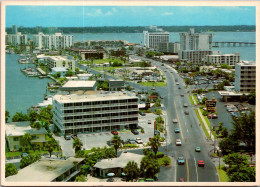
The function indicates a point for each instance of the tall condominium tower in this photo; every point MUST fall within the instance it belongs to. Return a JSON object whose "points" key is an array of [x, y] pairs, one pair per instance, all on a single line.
{"points": [[152, 40]]}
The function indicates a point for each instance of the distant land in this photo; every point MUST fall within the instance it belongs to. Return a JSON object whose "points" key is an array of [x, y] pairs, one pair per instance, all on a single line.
{"points": [[135, 29]]}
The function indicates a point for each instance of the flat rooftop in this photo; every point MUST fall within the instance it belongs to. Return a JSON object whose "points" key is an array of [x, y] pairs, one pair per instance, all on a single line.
{"points": [[119, 162], [58, 58], [93, 96], [246, 63], [79, 84], [59, 69], [44, 170], [20, 128]]}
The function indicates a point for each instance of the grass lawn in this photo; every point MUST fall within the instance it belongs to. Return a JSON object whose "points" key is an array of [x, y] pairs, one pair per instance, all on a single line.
{"points": [[195, 98], [45, 69], [208, 123], [191, 100], [106, 68], [223, 177], [201, 122], [153, 84], [102, 61], [30, 152]]}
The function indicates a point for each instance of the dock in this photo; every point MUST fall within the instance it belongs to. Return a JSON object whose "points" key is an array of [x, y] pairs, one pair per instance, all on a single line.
{"points": [[41, 71]]}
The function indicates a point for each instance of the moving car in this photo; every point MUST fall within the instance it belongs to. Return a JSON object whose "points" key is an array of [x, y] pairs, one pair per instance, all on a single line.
{"points": [[149, 121], [177, 130], [186, 112], [110, 180], [175, 120], [185, 105], [139, 140], [197, 149], [177, 83], [178, 142], [182, 95], [180, 160], [134, 131], [114, 132], [153, 89], [181, 179], [179, 88], [201, 163]]}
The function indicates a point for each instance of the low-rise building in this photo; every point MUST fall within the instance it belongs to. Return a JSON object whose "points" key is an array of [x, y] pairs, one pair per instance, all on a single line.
{"points": [[14, 132], [245, 76], [79, 85], [116, 165], [84, 76], [61, 70], [194, 56], [218, 59], [49, 170], [60, 61], [95, 112], [116, 85]]}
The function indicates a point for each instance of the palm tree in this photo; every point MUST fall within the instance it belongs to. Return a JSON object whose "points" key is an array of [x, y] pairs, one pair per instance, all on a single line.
{"points": [[77, 144], [132, 171], [116, 140], [155, 144]]}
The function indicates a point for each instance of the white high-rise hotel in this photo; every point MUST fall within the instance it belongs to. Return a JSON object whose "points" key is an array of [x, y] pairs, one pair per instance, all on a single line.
{"points": [[152, 40], [56, 41]]}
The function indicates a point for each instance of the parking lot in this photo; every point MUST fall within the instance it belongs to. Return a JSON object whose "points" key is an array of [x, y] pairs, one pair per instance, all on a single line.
{"points": [[100, 139]]}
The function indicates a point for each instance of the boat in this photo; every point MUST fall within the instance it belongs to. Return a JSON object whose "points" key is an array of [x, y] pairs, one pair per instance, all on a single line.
{"points": [[23, 61]]}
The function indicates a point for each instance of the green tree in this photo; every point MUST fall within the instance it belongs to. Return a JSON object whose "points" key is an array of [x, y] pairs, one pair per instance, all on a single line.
{"points": [[25, 161], [235, 159], [77, 144], [149, 167], [27, 139], [116, 140], [244, 128], [10, 169], [132, 171], [80, 178], [228, 145], [33, 116], [204, 100], [50, 146], [251, 98], [243, 174], [155, 144], [19, 116], [7, 116]]}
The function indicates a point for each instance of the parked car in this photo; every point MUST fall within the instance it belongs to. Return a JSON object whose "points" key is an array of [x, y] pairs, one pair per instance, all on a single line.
{"points": [[142, 114], [178, 142], [153, 88], [139, 141], [74, 136], [179, 88], [131, 141], [114, 132], [24, 155], [109, 143], [177, 130], [180, 161], [67, 137], [149, 121], [134, 131], [110, 180], [156, 132], [201, 163], [181, 179]]}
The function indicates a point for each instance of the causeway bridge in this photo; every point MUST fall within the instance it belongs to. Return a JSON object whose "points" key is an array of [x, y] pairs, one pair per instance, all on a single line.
{"points": [[232, 44]]}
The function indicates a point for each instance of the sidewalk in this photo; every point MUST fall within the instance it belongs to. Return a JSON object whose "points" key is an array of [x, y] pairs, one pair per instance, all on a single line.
{"points": [[205, 124]]}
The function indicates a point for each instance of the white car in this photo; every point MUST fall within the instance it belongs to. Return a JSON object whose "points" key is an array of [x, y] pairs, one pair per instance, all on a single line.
{"points": [[139, 141], [178, 142], [175, 121]]}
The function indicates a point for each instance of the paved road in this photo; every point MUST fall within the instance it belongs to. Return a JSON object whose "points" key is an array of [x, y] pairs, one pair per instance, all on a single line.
{"points": [[190, 136]]}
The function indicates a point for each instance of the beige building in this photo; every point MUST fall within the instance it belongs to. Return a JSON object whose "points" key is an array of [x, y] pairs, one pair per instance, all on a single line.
{"points": [[16, 39], [95, 112], [194, 56], [245, 76], [49, 170], [60, 61], [15, 130], [218, 59]]}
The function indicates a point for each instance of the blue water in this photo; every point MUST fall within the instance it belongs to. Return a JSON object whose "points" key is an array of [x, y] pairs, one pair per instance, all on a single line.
{"points": [[22, 92]]}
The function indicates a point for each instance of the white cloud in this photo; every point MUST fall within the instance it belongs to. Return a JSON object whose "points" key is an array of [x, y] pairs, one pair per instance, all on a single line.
{"points": [[99, 12], [167, 13]]}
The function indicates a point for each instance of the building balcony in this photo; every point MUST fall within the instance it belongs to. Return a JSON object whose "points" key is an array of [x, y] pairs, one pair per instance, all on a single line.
{"points": [[98, 106]]}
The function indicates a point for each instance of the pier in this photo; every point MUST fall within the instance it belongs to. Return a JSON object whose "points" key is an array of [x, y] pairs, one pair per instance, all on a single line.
{"points": [[232, 44]]}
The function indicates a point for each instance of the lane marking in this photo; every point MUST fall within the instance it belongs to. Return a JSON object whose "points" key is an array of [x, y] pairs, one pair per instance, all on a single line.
{"points": [[178, 120], [196, 170], [188, 174]]}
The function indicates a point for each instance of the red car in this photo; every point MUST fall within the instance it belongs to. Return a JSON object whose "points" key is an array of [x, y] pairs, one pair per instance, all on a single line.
{"points": [[201, 163], [182, 95], [114, 132], [181, 179]]}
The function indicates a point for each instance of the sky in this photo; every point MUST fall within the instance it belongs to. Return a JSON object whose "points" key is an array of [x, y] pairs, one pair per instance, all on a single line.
{"points": [[95, 16]]}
